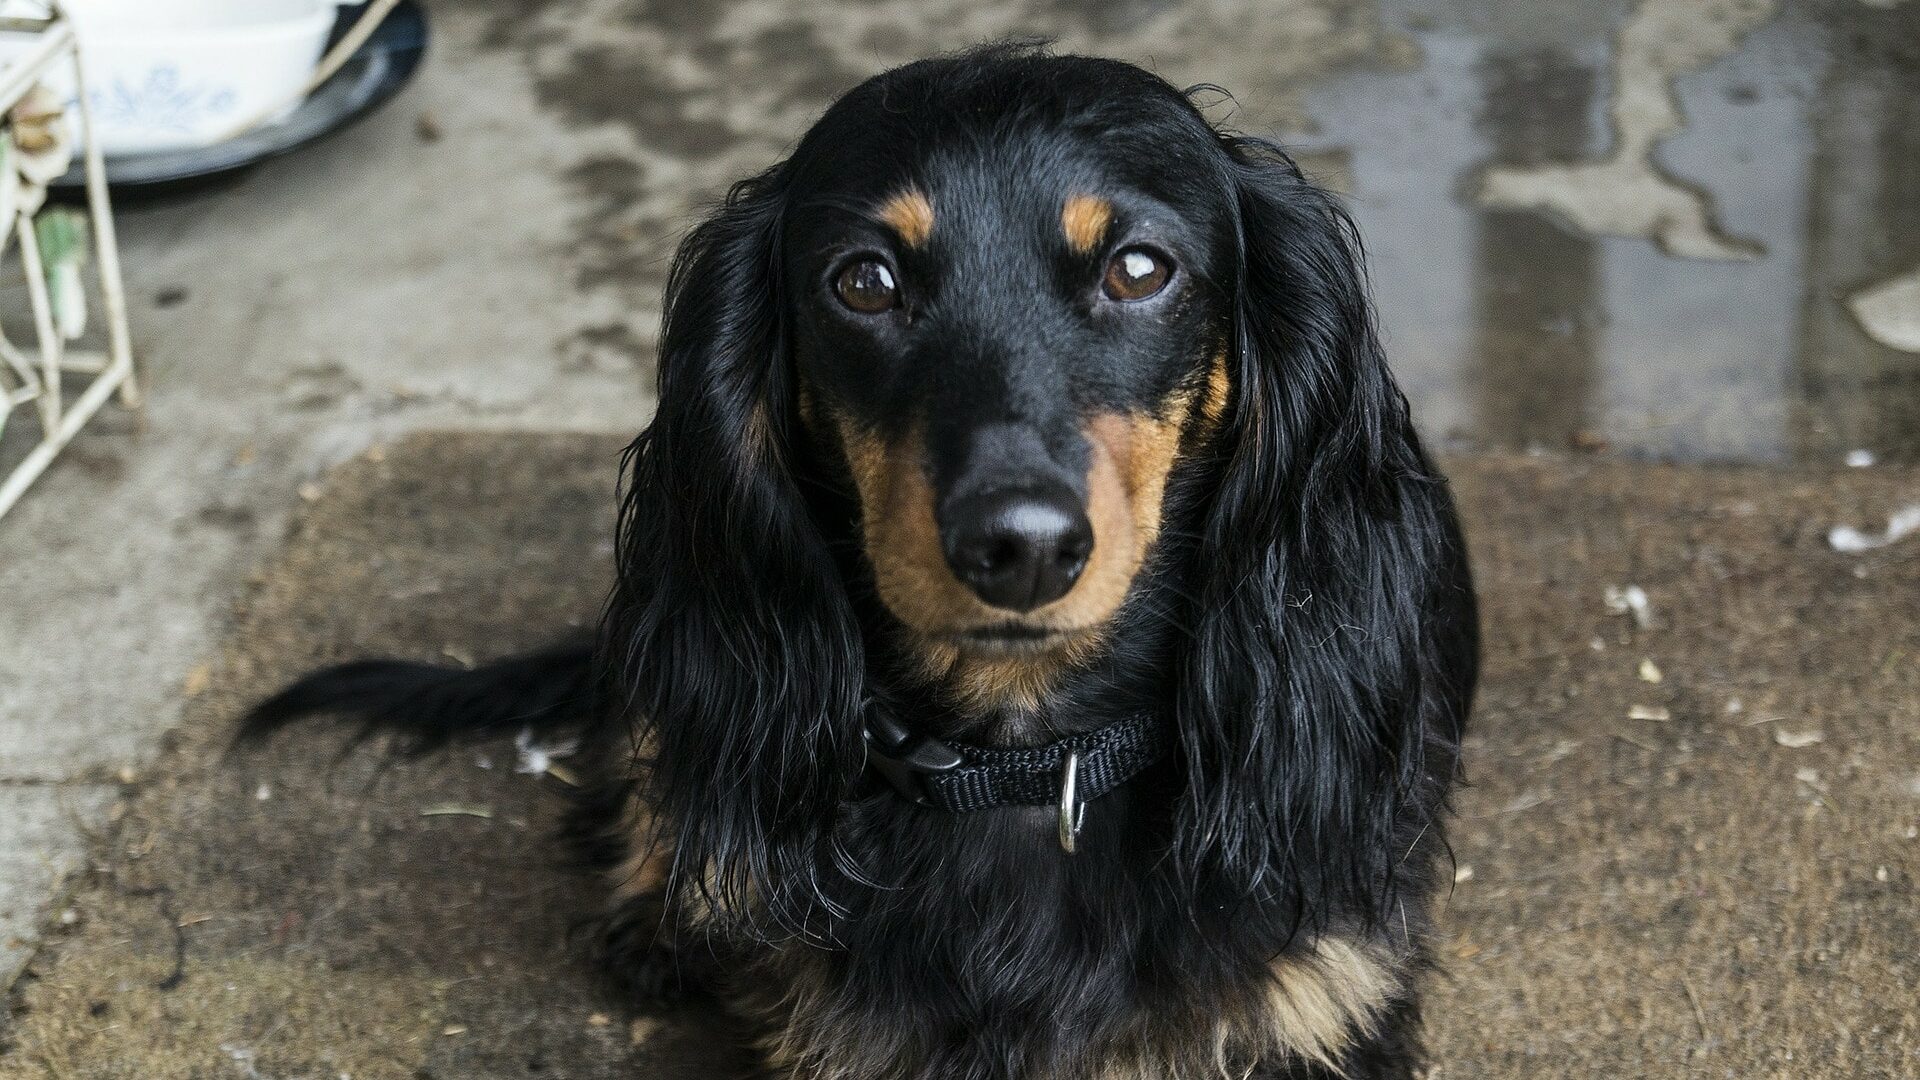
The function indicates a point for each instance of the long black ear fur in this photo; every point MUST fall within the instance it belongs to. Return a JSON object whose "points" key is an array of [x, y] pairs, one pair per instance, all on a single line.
{"points": [[729, 630], [1332, 654]]}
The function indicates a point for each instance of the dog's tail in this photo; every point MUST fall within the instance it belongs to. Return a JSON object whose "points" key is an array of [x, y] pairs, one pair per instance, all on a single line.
{"points": [[429, 705]]}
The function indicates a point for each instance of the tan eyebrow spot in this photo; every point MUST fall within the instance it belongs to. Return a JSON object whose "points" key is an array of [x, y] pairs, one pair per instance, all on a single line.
{"points": [[910, 214], [1084, 219]]}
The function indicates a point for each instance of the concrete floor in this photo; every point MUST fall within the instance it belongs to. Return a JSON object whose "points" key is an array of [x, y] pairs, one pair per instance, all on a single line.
{"points": [[321, 305], [506, 276]]}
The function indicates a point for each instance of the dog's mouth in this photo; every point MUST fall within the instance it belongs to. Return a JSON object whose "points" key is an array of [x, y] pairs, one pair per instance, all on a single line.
{"points": [[1016, 638]]}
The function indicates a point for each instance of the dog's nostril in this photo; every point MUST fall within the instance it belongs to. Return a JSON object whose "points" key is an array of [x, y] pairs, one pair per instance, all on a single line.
{"points": [[1075, 549], [1019, 549], [1001, 555]]}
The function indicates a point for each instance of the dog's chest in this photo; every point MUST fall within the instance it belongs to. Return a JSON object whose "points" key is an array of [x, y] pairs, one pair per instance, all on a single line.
{"points": [[1030, 967]]}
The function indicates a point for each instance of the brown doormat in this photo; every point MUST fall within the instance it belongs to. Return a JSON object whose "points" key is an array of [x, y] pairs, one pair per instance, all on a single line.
{"points": [[1689, 847]]}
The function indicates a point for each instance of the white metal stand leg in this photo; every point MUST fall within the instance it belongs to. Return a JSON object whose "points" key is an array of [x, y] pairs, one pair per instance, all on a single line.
{"points": [[107, 252], [41, 377]]}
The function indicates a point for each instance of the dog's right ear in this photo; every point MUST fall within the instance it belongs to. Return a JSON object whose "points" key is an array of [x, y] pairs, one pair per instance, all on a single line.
{"points": [[735, 654]]}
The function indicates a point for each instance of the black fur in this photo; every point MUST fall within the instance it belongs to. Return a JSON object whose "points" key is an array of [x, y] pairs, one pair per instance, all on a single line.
{"points": [[1306, 620], [430, 705]]}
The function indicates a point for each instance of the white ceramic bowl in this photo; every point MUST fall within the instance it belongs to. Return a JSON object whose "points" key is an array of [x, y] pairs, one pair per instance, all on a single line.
{"points": [[176, 74], [131, 15]]}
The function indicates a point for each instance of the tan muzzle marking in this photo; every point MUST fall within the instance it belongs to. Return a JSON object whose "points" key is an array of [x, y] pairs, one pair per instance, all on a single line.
{"points": [[1132, 455]]}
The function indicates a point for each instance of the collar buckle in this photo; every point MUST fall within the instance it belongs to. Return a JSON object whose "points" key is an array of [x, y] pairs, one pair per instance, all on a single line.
{"points": [[905, 758]]}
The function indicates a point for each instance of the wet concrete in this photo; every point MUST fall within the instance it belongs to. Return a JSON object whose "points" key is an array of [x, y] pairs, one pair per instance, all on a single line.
{"points": [[1657, 228], [1677, 229]]}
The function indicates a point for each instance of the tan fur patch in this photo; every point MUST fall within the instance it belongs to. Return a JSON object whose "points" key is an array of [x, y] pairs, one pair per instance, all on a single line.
{"points": [[1310, 1010], [1084, 220], [1318, 1000], [1219, 390], [1133, 458], [809, 411], [757, 442], [804, 1034], [909, 214], [648, 861]]}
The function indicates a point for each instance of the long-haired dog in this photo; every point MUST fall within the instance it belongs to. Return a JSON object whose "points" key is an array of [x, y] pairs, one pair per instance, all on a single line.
{"points": [[1041, 645]]}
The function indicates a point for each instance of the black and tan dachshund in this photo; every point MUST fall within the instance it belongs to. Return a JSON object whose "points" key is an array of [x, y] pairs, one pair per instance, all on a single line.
{"points": [[1041, 645]]}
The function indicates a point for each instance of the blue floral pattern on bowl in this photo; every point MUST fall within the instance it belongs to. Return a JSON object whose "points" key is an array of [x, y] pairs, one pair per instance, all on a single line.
{"points": [[162, 102]]}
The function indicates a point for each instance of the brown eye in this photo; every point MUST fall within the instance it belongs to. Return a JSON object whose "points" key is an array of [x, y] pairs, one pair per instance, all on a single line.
{"points": [[1135, 274], [867, 287]]}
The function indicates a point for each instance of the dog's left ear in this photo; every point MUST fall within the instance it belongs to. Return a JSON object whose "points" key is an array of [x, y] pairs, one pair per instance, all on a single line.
{"points": [[1317, 712], [729, 635]]}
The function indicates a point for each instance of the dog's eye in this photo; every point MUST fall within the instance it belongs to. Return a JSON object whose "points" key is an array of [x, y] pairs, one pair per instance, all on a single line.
{"points": [[867, 287], [1135, 273]]}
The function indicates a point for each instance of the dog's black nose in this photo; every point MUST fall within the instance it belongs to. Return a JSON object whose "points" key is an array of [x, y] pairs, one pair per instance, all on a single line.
{"points": [[1019, 549]]}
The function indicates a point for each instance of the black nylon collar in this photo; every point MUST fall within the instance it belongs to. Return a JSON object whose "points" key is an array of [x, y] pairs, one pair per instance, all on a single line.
{"points": [[965, 778]]}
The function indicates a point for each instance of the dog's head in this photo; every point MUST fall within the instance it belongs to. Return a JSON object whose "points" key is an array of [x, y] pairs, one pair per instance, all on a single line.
{"points": [[997, 306], [1008, 303]]}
